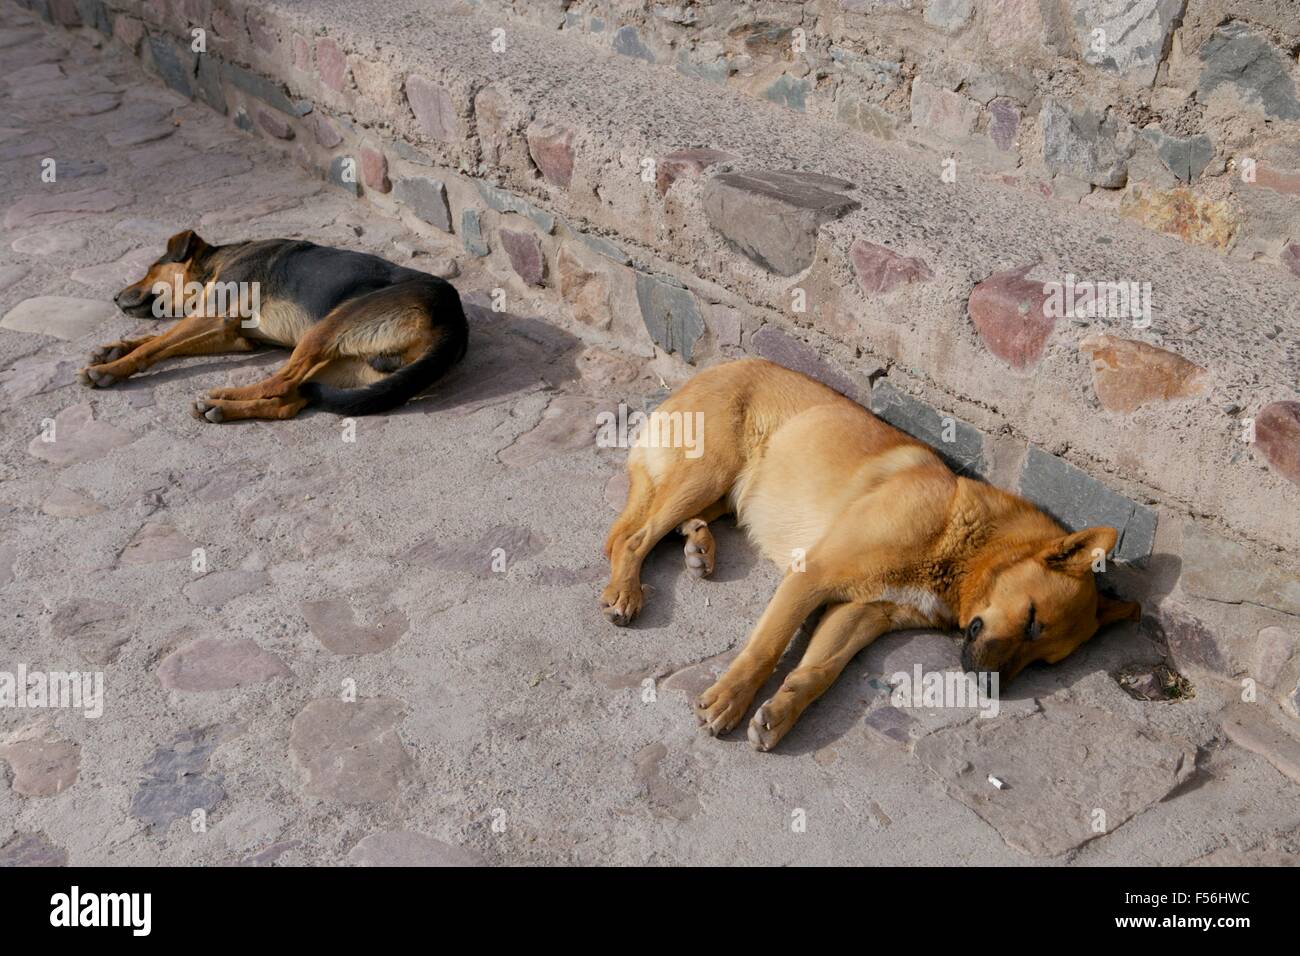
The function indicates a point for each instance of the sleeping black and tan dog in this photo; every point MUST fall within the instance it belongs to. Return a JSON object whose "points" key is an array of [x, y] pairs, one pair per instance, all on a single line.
{"points": [[366, 335]]}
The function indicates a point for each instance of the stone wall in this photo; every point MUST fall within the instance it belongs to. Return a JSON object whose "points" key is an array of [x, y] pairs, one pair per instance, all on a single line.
{"points": [[1180, 114], [689, 226]]}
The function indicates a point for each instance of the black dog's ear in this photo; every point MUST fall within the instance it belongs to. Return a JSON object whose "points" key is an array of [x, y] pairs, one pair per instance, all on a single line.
{"points": [[184, 246]]}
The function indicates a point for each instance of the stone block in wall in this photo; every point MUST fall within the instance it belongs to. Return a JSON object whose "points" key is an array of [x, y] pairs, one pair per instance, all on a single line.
{"points": [[774, 216], [551, 148], [1277, 436], [504, 201], [785, 350], [942, 112], [434, 109], [270, 92], [1184, 156], [524, 250], [1127, 38], [686, 164], [1246, 61], [585, 290], [670, 314], [1127, 373], [1183, 213], [1009, 312], [427, 198], [880, 270], [960, 444], [471, 234], [1078, 501], [1222, 570], [174, 64], [1085, 144], [94, 13]]}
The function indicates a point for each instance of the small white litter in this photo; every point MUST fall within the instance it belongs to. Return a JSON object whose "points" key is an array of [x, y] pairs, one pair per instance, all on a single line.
{"points": [[996, 782]]}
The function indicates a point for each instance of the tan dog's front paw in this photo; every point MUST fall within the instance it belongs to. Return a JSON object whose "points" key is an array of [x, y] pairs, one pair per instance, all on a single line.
{"points": [[720, 707], [700, 548], [621, 605], [772, 721], [95, 376]]}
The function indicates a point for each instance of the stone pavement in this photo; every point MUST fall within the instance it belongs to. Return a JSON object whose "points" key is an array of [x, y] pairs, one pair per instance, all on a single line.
{"points": [[322, 643]]}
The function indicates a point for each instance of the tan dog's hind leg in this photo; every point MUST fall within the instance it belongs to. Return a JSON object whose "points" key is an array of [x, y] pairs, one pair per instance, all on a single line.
{"points": [[700, 549], [844, 630], [653, 509], [194, 335], [721, 706]]}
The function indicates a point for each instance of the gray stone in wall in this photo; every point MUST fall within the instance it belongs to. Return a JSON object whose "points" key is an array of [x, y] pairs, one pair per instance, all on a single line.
{"points": [[1236, 56], [95, 14], [471, 234], [268, 91], [785, 350], [338, 167], [1078, 501], [960, 444], [503, 201], [773, 216], [1222, 570], [207, 83], [176, 67], [1184, 156], [1082, 144], [669, 313], [628, 42], [948, 15], [1133, 34], [605, 248], [712, 71], [789, 92], [425, 197], [409, 153]]}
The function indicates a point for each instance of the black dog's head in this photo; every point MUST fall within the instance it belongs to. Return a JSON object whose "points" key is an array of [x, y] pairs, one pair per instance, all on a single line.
{"points": [[172, 271]]}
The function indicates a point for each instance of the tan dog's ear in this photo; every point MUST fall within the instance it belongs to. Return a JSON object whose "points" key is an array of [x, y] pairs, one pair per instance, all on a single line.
{"points": [[1109, 610], [1075, 553], [184, 246]]}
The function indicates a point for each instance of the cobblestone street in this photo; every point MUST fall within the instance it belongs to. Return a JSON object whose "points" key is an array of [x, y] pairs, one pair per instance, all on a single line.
{"points": [[441, 564]]}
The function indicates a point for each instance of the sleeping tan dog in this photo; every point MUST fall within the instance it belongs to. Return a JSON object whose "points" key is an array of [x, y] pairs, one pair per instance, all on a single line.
{"points": [[869, 524]]}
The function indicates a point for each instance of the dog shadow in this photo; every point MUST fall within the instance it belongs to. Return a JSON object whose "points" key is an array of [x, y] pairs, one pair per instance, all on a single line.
{"points": [[508, 355]]}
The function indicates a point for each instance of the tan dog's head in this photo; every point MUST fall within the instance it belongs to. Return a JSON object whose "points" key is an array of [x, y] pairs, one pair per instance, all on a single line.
{"points": [[1038, 605], [173, 269]]}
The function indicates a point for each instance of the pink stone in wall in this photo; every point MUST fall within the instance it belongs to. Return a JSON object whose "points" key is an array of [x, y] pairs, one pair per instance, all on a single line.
{"points": [[332, 63], [1277, 436], [551, 148], [1008, 312], [374, 169], [526, 257], [1128, 374], [686, 164], [433, 108], [301, 53], [880, 270]]}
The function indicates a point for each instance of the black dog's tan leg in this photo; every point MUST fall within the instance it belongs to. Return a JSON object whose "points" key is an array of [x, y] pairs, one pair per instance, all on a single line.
{"points": [[115, 350], [222, 410], [700, 548], [653, 509], [721, 706], [194, 335], [843, 630]]}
